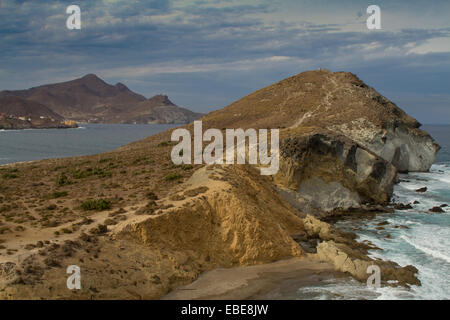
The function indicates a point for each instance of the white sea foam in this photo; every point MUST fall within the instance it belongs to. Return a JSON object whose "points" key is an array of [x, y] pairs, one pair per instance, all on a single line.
{"points": [[431, 252], [425, 244]]}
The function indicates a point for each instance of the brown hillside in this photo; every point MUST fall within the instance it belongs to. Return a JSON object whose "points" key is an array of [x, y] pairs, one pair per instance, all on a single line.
{"points": [[11, 105], [91, 99], [313, 98]]}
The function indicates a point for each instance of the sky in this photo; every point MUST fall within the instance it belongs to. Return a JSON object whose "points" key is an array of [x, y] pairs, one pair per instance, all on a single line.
{"points": [[206, 54]]}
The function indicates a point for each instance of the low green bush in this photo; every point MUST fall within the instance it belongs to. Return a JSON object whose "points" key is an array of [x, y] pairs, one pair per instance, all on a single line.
{"points": [[63, 180], [58, 194], [173, 176], [97, 204]]}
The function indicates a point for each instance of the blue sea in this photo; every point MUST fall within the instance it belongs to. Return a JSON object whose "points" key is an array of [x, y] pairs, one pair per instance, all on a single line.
{"points": [[28, 145], [425, 244]]}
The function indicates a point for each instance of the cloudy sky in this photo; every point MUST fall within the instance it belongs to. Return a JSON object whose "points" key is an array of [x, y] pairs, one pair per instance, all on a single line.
{"points": [[206, 54]]}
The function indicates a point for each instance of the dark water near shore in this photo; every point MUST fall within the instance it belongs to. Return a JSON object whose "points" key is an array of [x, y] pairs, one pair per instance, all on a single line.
{"points": [[28, 145]]}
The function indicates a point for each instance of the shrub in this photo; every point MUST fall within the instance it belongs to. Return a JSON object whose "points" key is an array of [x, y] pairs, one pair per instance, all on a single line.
{"points": [[51, 207], [100, 229], [104, 160], [173, 176], [65, 230], [164, 144], [58, 194], [10, 176], [152, 196], [98, 204], [63, 180], [92, 172]]}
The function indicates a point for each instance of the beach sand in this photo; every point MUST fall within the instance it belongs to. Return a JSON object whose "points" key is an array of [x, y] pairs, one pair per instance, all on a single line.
{"points": [[275, 280]]}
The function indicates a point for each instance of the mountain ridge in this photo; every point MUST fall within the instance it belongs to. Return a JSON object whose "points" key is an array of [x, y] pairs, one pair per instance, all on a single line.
{"points": [[91, 99]]}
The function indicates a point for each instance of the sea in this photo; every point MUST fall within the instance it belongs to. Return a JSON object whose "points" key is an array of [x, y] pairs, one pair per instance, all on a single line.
{"points": [[425, 243], [87, 139]]}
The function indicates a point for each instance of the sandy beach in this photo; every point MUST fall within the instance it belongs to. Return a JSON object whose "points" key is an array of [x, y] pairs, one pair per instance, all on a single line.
{"points": [[266, 281]]}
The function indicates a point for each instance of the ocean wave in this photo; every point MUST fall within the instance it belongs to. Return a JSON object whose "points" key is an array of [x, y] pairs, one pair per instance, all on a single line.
{"points": [[433, 253], [9, 130]]}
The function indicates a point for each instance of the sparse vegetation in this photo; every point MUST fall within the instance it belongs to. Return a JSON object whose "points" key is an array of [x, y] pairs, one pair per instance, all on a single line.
{"points": [[63, 180], [173, 176], [187, 167], [152, 196], [102, 173], [98, 205], [51, 207], [104, 160], [10, 174], [165, 144], [58, 194], [100, 229]]}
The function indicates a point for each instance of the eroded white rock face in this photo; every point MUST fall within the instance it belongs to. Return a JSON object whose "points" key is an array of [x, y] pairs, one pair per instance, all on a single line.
{"points": [[327, 196], [321, 173], [408, 149]]}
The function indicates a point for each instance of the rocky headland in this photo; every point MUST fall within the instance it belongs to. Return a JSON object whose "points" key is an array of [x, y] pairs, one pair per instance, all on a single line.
{"points": [[139, 226], [17, 113]]}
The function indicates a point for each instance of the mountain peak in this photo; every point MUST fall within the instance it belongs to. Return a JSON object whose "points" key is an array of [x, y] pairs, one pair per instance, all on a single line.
{"points": [[92, 79], [91, 76], [161, 99], [121, 87]]}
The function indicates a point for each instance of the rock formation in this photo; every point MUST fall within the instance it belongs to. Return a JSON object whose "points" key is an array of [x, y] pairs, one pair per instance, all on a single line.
{"points": [[342, 142]]}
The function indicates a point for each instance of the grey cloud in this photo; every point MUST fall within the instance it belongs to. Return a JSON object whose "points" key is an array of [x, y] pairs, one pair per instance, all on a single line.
{"points": [[209, 39]]}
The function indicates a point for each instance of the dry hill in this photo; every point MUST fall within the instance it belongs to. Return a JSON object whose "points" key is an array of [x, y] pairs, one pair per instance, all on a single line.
{"points": [[139, 226]]}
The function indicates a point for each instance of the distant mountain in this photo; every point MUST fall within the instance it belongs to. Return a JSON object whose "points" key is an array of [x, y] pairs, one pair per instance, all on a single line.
{"points": [[90, 99], [159, 109]]}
